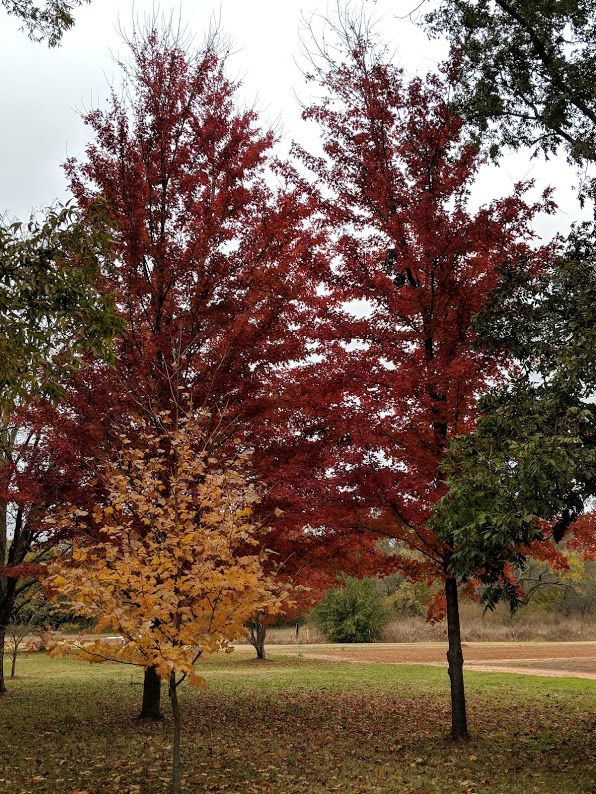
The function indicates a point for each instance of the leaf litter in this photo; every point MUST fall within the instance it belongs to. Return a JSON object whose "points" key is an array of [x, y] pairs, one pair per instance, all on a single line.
{"points": [[296, 730]]}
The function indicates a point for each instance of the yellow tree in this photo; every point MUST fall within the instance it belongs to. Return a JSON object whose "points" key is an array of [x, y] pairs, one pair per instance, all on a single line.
{"points": [[171, 561]]}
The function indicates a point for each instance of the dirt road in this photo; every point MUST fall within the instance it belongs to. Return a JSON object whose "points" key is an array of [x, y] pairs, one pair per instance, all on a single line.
{"points": [[576, 659]]}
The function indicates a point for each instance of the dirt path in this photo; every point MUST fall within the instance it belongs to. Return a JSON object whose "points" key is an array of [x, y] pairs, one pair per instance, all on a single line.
{"points": [[575, 659]]}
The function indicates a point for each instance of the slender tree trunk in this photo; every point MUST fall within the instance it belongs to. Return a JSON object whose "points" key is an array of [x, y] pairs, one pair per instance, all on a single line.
{"points": [[151, 708], [3, 589], [455, 658], [2, 641], [257, 631], [13, 666], [176, 766]]}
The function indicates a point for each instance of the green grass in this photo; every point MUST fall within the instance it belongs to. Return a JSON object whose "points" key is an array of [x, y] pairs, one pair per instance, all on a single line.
{"points": [[296, 726]]}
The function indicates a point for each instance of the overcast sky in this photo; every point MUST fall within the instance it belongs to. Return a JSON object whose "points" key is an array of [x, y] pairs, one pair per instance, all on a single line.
{"points": [[44, 91]]}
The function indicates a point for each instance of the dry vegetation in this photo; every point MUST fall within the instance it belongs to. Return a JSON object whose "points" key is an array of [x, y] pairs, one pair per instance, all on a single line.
{"points": [[500, 626], [477, 626]]}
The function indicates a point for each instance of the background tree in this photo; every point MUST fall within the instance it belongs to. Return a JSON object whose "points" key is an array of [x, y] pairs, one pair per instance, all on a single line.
{"points": [[32, 614], [173, 569], [308, 581], [309, 557], [17, 633], [568, 591], [404, 373]]}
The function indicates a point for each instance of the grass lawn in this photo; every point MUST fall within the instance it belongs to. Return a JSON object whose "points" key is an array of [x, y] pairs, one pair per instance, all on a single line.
{"points": [[296, 726]]}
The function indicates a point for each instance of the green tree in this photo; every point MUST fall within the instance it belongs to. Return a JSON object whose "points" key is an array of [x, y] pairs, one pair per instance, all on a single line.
{"points": [[354, 613], [524, 75], [53, 317], [526, 472], [51, 312], [47, 22], [525, 70]]}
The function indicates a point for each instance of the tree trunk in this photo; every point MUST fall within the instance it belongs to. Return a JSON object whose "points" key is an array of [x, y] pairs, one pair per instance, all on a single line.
{"points": [[257, 631], [176, 767], [3, 589], [151, 709], [455, 658], [2, 638], [13, 666]]}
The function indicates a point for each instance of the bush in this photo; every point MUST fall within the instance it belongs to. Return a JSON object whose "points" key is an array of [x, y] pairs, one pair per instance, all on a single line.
{"points": [[354, 613]]}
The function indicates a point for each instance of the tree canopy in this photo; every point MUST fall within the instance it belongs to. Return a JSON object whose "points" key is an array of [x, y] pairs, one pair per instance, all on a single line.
{"points": [[522, 73], [175, 570], [52, 311], [216, 268], [524, 70], [46, 22], [527, 471], [403, 374]]}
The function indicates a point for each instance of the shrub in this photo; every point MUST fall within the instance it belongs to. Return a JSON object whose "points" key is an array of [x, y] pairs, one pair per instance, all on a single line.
{"points": [[354, 613]]}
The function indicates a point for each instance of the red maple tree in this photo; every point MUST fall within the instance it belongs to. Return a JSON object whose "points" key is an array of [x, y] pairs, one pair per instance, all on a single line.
{"points": [[216, 274], [413, 265]]}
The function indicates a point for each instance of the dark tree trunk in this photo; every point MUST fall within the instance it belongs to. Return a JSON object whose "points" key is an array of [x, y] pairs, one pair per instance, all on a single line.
{"points": [[455, 658], [176, 766], [4, 595], [12, 553], [151, 709], [13, 667], [257, 631], [2, 639]]}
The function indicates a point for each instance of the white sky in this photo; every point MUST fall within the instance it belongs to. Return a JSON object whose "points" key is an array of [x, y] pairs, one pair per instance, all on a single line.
{"points": [[43, 91]]}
